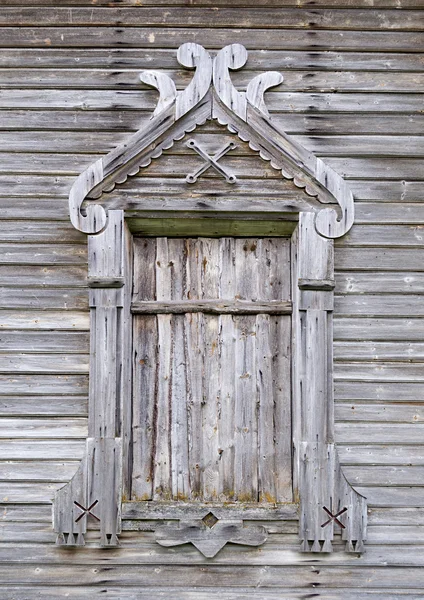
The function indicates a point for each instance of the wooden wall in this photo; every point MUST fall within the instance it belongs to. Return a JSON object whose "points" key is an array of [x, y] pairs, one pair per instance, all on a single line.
{"points": [[69, 91]]}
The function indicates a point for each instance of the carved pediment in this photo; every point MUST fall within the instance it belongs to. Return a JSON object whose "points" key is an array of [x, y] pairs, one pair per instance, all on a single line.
{"points": [[211, 95]]}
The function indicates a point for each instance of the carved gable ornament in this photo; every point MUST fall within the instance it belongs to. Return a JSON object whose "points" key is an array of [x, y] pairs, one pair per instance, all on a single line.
{"points": [[99, 496]]}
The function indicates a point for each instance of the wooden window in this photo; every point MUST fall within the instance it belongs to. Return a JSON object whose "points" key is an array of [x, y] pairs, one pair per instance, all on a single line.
{"points": [[212, 370]]}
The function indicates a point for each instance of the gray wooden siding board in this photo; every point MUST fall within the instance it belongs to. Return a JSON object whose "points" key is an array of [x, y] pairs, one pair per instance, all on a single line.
{"points": [[226, 17]]}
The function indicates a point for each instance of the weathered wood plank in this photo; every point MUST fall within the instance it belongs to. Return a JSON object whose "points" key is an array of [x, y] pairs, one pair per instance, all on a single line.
{"points": [[38, 406], [39, 298], [381, 454], [394, 329], [240, 3], [119, 122], [236, 307], [379, 306], [44, 363], [28, 493], [42, 449], [43, 341], [316, 41], [334, 577], [379, 433], [122, 63], [387, 476], [44, 254], [379, 351], [371, 371], [43, 427], [37, 471], [351, 19], [139, 99], [376, 259], [80, 593], [18, 384], [380, 391], [370, 79], [389, 282], [50, 319], [398, 413]]}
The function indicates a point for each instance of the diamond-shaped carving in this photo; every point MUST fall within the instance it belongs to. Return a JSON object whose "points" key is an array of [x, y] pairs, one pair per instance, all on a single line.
{"points": [[210, 520]]}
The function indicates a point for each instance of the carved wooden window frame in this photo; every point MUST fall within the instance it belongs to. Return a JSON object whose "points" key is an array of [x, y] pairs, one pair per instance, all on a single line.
{"points": [[325, 497]]}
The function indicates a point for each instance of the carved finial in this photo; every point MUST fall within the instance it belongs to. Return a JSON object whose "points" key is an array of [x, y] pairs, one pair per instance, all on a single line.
{"points": [[232, 57], [193, 56], [165, 85], [259, 85]]}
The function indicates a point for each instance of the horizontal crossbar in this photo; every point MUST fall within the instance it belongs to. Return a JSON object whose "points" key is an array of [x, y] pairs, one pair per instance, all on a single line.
{"points": [[216, 307]]}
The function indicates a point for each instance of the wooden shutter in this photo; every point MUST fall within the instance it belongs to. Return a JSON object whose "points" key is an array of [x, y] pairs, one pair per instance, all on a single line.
{"points": [[212, 383]]}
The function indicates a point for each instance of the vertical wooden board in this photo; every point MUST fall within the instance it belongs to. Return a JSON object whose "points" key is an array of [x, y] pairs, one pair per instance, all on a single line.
{"points": [[211, 409], [246, 434], [227, 348], [145, 372], [144, 279], [282, 400], [274, 269], [246, 269], [208, 263], [194, 357], [266, 426], [176, 267], [226, 433], [209, 266], [193, 269], [179, 426], [162, 461]]}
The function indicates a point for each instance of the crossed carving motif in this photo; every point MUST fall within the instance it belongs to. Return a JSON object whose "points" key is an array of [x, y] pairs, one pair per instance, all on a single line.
{"points": [[86, 511], [334, 517], [211, 161]]}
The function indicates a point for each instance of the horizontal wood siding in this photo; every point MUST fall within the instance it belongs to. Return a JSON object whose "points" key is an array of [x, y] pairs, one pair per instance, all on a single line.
{"points": [[352, 93]]}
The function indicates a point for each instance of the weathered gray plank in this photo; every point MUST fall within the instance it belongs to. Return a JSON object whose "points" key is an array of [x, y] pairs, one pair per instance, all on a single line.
{"points": [[132, 99], [387, 476], [39, 319], [120, 121], [44, 341], [367, 79], [380, 390], [49, 405], [315, 41], [40, 298], [380, 454], [379, 351], [43, 427], [41, 449], [37, 471], [299, 577], [370, 305], [379, 329], [389, 282], [43, 384], [379, 433], [224, 17], [44, 363], [122, 63], [398, 413]]}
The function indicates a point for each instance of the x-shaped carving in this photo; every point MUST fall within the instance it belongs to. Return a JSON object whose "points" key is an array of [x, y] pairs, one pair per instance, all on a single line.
{"points": [[211, 161], [86, 511], [334, 517]]}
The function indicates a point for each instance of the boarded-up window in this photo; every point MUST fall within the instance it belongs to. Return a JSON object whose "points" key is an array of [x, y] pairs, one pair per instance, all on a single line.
{"points": [[211, 416]]}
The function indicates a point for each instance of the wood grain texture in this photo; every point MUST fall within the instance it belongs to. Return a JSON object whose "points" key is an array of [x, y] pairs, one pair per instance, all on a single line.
{"points": [[187, 395], [348, 92]]}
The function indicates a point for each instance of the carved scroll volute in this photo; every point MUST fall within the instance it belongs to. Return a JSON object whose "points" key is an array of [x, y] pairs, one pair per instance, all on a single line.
{"points": [[232, 57], [193, 56]]}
